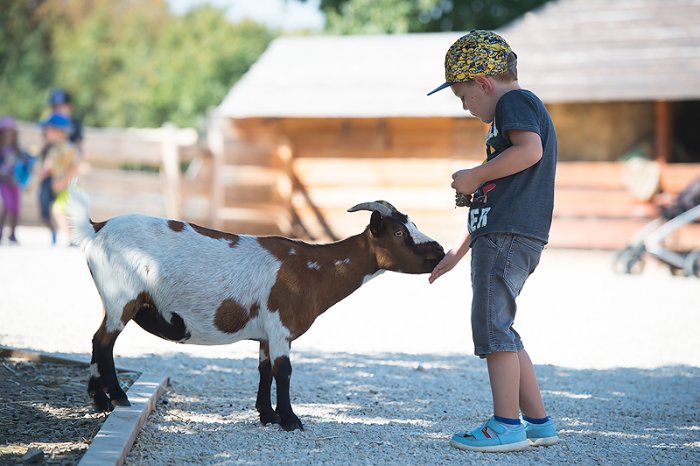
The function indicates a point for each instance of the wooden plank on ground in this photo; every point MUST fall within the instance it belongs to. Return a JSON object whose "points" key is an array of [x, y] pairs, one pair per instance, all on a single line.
{"points": [[117, 435]]}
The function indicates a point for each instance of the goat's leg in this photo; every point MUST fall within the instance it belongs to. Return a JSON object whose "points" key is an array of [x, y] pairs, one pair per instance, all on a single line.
{"points": [[282, 371], [103, 375], [263, 403]]}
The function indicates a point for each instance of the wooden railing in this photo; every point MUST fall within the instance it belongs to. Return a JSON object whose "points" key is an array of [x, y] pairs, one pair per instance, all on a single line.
{"points": [[161, 171], [262, 187]]}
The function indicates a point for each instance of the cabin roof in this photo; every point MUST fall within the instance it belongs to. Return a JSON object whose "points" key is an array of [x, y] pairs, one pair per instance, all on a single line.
{"points": [[568, 51]]}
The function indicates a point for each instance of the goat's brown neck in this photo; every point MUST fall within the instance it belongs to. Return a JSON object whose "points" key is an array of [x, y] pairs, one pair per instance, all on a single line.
{"points": [[313, 277], [344, 267]]}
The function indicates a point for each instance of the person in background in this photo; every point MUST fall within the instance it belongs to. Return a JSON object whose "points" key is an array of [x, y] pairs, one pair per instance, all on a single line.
{"points": [[59, 167], [15, 169], [62, 103]]}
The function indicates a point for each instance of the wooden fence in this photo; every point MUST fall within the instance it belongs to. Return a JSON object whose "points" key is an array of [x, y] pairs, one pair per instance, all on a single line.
{"points": [[161, 171], [264, 186]]}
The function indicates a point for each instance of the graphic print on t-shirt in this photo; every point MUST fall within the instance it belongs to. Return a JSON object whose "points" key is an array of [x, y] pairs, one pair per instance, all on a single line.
{"points": [[478, 216]]}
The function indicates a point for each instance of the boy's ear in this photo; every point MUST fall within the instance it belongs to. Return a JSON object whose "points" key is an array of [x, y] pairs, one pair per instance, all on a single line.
{"points": [[485, 83], [376, 223]]}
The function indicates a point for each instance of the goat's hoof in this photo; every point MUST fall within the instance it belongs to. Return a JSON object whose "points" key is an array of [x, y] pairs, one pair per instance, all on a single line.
{"points": [[101, 402], [103, 406], [269, 418], [293, 423], [120, 402]]}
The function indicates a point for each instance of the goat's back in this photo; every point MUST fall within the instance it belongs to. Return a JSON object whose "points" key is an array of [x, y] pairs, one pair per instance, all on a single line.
{"points": [[183, 268]]}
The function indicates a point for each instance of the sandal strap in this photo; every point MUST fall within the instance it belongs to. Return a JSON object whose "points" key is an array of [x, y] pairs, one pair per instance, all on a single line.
{"points": [[489, 429], [481, 432], [496, 426]]}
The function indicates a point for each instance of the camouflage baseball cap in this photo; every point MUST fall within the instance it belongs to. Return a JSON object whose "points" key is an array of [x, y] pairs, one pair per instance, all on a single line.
{"points": [[478, 53]]}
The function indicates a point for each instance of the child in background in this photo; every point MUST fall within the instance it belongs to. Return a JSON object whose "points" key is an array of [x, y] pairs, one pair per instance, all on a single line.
{"points": [[511, 198], [62, 103], [59, 167], [15, 168]]}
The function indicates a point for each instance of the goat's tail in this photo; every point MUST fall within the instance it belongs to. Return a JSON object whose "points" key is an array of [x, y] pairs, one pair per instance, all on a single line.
{"points": [[78, 210]]}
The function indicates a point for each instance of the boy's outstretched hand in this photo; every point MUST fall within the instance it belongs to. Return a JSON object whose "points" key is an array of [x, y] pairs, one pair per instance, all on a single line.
{"points": [[445, 265]]}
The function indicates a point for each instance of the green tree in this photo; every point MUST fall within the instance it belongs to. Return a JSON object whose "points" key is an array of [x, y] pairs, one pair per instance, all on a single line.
{"points": [[126, 62], [134, 64], [401, 16], [202, 56], [26, 67]]}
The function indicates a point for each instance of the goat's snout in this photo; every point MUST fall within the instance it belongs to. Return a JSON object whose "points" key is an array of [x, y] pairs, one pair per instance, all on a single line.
{"points": [[434, 254]]}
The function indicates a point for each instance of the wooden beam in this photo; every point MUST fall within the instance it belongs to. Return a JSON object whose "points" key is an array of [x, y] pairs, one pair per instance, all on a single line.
{"points": [[171, 172], [662, 131]]}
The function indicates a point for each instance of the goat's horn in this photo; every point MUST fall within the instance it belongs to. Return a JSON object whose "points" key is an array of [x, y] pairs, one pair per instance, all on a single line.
{"points": [[383, 207]]}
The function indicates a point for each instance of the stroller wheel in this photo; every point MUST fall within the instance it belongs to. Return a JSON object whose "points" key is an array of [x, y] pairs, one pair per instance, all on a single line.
{"points": [[691, 264], [677, 271], [629, 260]]}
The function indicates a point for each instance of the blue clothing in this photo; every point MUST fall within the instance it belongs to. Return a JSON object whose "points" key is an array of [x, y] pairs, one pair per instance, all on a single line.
{"points": [[522, 203]]}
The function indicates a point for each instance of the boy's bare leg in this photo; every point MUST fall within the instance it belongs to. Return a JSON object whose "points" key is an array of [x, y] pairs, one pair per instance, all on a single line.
{"points": [[530, 398], [504, 375]]}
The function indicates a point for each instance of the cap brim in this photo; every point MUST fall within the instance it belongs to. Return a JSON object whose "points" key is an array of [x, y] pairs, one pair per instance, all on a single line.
{"points": [[439, 88]]}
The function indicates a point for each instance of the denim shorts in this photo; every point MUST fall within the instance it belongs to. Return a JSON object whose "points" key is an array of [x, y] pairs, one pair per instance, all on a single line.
{"points": [[500, 265]]}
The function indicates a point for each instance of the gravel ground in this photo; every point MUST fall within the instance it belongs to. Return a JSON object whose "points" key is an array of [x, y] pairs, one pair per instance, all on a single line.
{"points": [[386, 376], [43, 406]]}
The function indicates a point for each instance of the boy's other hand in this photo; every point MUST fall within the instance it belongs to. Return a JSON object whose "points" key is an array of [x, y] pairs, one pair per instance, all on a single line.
{"points": [[445, 265], [465, 181]]}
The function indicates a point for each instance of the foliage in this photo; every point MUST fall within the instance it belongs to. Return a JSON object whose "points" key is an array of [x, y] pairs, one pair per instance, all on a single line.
{"points": [[26, 70], [401, 16], [132, 63]]}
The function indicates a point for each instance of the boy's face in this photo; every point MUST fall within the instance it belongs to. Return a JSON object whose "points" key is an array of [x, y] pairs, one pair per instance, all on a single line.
{"points": [[476, 99]]}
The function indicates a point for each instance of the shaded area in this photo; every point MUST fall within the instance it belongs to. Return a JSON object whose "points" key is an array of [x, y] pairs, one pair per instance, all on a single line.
{"points": [[402, 409], [45, 405]]}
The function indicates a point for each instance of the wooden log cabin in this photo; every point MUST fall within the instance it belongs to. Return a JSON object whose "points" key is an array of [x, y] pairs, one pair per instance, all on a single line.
{"points": [[321, 123]]}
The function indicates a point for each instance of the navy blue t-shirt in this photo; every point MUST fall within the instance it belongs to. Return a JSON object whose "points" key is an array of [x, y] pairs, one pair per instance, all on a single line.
{"points": [[521, 203]]}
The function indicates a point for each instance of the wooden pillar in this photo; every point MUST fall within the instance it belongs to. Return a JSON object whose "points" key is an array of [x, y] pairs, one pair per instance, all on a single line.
{"points": [[285, 156], [171, 171], [216, 140], [662, 131]]}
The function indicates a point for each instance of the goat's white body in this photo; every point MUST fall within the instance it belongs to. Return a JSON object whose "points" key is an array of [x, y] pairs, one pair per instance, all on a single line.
{"points": [[189, 274]]}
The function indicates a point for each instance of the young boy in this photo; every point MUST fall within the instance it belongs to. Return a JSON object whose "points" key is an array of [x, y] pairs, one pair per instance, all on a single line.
{"points": [[511, 196], [59, 167]]}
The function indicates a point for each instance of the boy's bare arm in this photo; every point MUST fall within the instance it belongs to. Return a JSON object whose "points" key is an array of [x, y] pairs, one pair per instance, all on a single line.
{"points": [[524, 153], [452, 257]]}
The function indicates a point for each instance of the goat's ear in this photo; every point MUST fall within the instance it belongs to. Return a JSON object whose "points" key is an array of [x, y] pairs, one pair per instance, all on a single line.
{"points": [[376, 223]]}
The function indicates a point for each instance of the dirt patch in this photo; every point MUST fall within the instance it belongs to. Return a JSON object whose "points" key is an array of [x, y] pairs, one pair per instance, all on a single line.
{"points": [[45, 405]]}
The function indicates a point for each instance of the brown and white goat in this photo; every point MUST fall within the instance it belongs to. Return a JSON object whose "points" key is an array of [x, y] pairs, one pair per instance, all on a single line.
{"points": [[190, 284]]}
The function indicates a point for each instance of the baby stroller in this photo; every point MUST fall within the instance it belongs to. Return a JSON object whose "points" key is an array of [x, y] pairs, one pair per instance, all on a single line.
{"points": [[683, 210]]}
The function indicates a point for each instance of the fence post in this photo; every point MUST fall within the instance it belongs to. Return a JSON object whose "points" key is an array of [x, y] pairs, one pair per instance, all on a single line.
{"points": [[171, 171], [216, 143], [285, 184]]}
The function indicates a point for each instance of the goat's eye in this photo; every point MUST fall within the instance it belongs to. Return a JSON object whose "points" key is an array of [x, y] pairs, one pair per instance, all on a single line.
{"points": [[398, 233]]}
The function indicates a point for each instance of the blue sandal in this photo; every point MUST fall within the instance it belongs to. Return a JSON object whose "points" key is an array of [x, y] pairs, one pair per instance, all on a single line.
{"points": [[541, 435], [492, 436]]}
